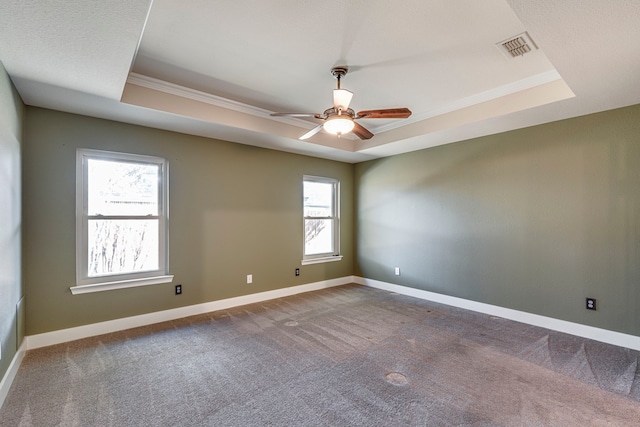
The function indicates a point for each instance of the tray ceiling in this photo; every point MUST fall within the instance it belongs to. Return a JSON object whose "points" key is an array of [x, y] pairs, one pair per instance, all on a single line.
{"points": [[218, 69]]}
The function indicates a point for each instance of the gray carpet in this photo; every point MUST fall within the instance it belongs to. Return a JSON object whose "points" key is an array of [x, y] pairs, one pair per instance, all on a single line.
{"points": [[346, 356]]}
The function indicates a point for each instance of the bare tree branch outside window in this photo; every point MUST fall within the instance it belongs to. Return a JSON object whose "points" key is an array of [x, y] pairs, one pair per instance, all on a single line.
{"points": [[123, 230]]}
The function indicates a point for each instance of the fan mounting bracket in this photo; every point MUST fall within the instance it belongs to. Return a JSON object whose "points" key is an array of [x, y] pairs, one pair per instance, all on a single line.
{"points": [[339, 71]]}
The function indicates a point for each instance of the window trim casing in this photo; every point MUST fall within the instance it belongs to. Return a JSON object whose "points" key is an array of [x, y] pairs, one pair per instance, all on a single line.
{"points": [[329, 256], [84, 283]]}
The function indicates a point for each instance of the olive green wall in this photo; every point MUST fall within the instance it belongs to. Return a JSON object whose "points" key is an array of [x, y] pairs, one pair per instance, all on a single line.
{"points": [[536, 219], [11, 119], [234, 210]]}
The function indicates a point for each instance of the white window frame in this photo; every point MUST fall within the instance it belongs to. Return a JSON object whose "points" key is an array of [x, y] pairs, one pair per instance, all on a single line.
{"points": [[335, 216], [84, 283]]}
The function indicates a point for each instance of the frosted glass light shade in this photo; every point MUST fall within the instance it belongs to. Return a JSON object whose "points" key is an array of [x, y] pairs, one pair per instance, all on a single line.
{"points": [[341, 99], [338, 125]]}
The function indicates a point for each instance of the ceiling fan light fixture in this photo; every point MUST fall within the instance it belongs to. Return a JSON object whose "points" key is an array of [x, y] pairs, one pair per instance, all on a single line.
{"points": [[340, 119], [341, 99], [338, 124]]}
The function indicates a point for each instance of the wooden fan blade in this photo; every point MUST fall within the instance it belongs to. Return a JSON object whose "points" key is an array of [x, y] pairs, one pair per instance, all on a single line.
{"points": [[361, 132], [317, 116], [389, 113], [311, 133]]}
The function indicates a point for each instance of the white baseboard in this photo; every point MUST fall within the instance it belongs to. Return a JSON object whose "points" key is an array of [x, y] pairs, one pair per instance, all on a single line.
{"points": [[10, 375], [86, 331], [577, 329]]}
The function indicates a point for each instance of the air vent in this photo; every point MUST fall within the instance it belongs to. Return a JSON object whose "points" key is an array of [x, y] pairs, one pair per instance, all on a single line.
{"points": [[517, 46]]}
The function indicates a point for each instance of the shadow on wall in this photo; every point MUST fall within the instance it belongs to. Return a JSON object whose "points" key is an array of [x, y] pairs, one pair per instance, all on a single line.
{"points": [[534, 219]]}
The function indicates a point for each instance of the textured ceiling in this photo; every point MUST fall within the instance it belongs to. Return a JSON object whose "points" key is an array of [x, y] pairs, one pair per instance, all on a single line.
{"points": [[74, 44], [218, 69]]}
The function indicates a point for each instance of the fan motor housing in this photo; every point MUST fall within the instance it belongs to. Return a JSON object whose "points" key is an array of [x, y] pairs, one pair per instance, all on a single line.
{"points": [[329, 112]]}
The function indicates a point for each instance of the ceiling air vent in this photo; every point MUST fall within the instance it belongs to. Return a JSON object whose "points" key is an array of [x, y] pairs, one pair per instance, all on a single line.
{"points": [[517, 46]]}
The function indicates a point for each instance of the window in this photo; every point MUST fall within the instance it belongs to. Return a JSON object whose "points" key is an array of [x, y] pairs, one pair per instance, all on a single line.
{"points": [[121, 214], [321, 220]]}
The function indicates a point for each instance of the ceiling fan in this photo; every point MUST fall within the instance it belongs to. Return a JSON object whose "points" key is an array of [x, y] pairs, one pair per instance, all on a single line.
{"points": [[340, 119]]}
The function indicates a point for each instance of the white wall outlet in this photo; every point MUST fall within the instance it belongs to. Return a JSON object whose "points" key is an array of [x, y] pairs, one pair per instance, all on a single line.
{"points": [[249, 278], [397, 271]]}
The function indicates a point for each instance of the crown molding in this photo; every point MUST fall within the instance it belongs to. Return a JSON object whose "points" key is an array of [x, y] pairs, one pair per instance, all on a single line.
{"points": [[218, 101]]}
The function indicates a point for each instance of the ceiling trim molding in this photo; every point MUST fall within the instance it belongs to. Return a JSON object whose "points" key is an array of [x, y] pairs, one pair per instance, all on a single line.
{"points": [[489, 95], [218, 101]]}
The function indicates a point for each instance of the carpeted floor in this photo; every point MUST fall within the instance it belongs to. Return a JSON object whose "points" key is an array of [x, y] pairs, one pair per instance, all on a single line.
{"points": [[346, 356]]}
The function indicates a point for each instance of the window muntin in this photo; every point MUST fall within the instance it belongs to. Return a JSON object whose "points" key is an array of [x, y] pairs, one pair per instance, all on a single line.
{"points": [[122, 217], [321, 221]]}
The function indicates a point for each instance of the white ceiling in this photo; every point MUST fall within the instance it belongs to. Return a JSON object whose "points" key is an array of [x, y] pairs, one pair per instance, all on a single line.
{"points": [[218, 69]]}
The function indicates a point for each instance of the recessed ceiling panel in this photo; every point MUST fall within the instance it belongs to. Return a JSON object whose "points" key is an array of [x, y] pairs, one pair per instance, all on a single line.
{"points": [[277, 55]]}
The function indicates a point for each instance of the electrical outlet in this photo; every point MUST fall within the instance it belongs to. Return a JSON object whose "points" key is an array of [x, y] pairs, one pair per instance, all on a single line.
{"points": [[297, 271], [249, 278], [591, 303], [178, 289], [397, 271]]}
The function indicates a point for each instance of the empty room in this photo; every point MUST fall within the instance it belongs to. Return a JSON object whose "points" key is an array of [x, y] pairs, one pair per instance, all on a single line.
{"points": [[338, 213]]}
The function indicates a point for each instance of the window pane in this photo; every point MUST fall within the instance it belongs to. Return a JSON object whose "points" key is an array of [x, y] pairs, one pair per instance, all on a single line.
{"points": [[122, 188], [318, 236], [122, 246], [318, 199]]}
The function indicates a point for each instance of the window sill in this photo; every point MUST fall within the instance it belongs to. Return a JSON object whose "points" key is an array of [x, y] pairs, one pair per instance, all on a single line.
{"points": [[331, 258], [120, 284]]}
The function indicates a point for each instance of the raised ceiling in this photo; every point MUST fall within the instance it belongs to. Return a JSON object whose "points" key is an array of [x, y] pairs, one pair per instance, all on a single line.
{"points": [[218, 69]]}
